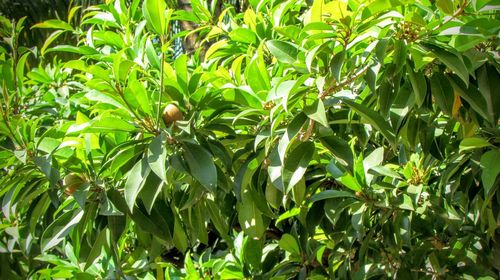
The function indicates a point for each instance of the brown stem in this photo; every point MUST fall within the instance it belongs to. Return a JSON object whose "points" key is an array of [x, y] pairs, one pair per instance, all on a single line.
{"points": [[335, 88], [309, 131], [458, 13], [120, 93]]}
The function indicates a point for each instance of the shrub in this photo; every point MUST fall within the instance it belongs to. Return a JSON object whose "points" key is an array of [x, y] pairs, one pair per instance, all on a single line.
{"points": [[343, 139]]}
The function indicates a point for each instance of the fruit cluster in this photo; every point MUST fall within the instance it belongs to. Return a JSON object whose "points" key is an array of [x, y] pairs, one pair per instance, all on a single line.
{"points": [[407, 31]]}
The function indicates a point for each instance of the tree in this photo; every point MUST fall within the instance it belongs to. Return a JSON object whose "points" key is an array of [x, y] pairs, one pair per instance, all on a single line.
{"points": [[342, 139]]}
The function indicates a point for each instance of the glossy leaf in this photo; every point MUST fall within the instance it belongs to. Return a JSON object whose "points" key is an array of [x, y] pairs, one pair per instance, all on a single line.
{"points": [[154, 13], [491, 169], [135, 181], [157, 156], [57, 231], [201, 165], [283, 51]]}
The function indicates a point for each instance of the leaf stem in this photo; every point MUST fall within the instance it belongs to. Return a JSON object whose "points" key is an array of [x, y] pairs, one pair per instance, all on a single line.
{"points": [[162, 61]]}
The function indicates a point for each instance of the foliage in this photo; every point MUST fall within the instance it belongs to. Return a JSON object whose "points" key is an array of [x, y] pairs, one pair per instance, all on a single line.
{"points": [[343, 139], [35, 11]]}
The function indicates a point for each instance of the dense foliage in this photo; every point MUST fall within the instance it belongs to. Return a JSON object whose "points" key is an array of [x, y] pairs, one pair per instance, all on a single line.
{"points": [[313, 139]]}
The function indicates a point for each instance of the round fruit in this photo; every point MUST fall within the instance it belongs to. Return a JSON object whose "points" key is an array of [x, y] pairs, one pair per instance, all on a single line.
{"points": [[171, 114], [72, 182]]}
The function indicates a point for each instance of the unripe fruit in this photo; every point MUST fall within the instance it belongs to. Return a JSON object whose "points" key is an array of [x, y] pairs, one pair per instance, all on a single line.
{"points": [[72, 182], [171, 114]]}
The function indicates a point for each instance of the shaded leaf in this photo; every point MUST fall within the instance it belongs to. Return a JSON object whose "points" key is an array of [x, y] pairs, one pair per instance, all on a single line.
{"points": [[491, 169], [201, 165], [60, 228], [135, 181]]}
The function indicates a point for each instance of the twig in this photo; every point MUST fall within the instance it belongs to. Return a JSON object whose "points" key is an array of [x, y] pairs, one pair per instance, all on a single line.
{"points": [[458, 13], [335, 88]]}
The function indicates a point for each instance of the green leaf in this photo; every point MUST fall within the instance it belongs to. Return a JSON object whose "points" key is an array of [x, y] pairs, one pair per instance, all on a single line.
{"points": [[200, 10], [399, 57], [201, 165], [141, 95], [197, 222], [386, 95], [83, 50], [243, 35], [453, 61], [100, 242], [446, 6], [150, 191], [54, 24], [52, 37], [473, 97], [473, 143], [57, 231], [374, 119], [252, 253], [289, 214], [231, 272], [289, 244], [337, 63], [135, 181], [349, 181], [179, 239], [296, 164], [191, 271], [250, 217], [104, 125], [384, 171], [256, 74], [291, 132], [102, 97], [488, 81], [406, 202], [48, 166], [419, 85], [378, 6], [20, 70], [152, 56], [490, 169], [340, 149], [317, 112], [443, 93], [285, 52], [375, 158], [154, 13], [330, 194], [181, 71], [157, 156]]}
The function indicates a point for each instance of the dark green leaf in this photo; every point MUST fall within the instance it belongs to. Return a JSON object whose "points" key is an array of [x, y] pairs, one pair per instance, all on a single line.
{"points": [[491, 169], [201, 165], [374, 119], [296, 164], [157, 156], [60, 228], [330, 194], [135, 181]]}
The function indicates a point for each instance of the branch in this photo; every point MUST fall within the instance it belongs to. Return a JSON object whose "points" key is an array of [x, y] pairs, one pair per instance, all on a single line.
{"points": [[335, 88], [458, 13]]}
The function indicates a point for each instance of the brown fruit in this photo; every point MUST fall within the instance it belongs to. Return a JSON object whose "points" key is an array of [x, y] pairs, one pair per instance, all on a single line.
{"points": [[171, 114], [72, 182]]}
